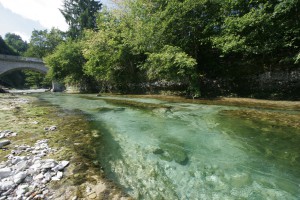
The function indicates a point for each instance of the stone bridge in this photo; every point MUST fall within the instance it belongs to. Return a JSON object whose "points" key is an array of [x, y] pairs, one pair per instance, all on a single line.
{"points": [[12, 63]]}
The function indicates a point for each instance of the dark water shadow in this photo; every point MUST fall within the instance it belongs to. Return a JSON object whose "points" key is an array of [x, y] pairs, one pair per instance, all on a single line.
{"points": [[108, 151]]}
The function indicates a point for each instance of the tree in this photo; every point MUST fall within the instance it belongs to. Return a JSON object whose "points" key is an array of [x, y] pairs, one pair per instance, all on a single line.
{"points": [[259, 36], [16, 43], [66, 63], [35, 79], [43, 42], [187, 41], [5, 49], [110, 60], [80, 15], [174, 65]]}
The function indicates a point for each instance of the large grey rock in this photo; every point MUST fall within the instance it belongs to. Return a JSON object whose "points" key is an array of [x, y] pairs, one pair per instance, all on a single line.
{"points": [[48, 163], [17, 159], [21, 190], [6, 185], [61, 165], [4, 143], [21, 166], [19, 177], [5, 172]]}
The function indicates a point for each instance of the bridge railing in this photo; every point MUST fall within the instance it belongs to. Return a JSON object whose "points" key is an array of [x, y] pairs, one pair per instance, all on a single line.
{"points": [[19, 58]]}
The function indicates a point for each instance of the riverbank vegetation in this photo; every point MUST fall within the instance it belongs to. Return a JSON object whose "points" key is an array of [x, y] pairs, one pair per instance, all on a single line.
{"points": [[193, 48]]}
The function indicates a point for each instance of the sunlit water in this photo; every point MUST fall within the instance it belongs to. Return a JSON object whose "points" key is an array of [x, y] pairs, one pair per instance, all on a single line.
{"points": [[190, 151]]}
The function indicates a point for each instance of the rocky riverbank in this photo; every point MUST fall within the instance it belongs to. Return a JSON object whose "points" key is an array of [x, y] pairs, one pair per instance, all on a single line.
{"points": [[48, 154], [25, 173]]}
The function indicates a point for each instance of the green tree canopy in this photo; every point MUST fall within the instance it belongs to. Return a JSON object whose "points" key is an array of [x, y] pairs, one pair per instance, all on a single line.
{"points": [[16, 43], [66, 63], [43, 42], [5, 49], [185, 41], [262, 35], [80, 15]]}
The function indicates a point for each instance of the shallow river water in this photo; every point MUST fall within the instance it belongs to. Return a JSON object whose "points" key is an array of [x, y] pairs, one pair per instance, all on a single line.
{"points": [[189, 151]]}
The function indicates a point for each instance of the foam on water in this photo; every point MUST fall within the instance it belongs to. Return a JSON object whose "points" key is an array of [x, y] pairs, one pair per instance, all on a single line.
{"points": [[187, 152]]}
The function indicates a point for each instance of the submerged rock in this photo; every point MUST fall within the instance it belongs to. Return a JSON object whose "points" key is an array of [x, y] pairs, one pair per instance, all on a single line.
{"points": [[108, 109], [240, 179], [158, 151], [169, 152]]}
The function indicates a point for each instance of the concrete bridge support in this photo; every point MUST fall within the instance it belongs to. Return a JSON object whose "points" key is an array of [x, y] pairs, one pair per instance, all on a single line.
{"points": [[57, 86]]}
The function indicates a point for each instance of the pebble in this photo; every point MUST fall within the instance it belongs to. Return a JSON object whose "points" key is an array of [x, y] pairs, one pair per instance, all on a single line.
{"points": [[93, 196], [24, 177], [51, 128]]}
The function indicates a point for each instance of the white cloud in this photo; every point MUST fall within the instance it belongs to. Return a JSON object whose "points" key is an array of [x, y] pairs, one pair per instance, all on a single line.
{"points": [[44, 11]]}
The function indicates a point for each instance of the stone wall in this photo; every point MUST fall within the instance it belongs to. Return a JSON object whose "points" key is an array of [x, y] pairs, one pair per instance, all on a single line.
{"points": [[270, 85]]}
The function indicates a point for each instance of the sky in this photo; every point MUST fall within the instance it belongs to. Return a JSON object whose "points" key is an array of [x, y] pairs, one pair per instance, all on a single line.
{"points": [[23, 16]]}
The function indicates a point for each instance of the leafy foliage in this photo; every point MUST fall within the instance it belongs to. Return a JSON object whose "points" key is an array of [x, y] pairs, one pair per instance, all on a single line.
{"points": [[43, 42], [265, 32], [66, 63], [181, 41], [16, 43], [171, 64], [36, 79], [109, 59], [5, 49]]}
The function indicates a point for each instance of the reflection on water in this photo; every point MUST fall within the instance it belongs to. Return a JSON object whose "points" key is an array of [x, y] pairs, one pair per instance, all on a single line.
{"points": [[190, 151]]}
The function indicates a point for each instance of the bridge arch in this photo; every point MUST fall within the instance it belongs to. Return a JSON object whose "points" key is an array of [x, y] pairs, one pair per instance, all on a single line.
{"points": [[13, 63]]}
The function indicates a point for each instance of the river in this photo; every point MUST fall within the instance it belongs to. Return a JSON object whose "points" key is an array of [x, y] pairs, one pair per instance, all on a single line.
{"points": [[188, 151]]}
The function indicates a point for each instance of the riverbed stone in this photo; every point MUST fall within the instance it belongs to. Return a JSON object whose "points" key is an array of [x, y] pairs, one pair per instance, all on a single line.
{"points": [[174, 152], [49, 163], [59, 175], [4, 143], [61, 165], [26, 176], [93, 196], [7, 133], [17, 159], [21, 189], [6, 185], [51, 128], [240, 179], [19, 177], [5, 172]]}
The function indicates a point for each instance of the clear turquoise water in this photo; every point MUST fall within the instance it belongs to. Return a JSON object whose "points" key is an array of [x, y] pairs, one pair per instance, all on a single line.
{"points": [[190, 151]]}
